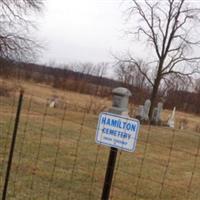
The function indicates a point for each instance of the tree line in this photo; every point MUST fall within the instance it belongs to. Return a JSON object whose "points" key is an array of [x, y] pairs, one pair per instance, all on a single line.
{"points": [[90, 79]]}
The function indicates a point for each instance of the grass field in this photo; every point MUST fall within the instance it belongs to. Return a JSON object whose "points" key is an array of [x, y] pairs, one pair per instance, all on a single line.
{"points": [[56, 156]]}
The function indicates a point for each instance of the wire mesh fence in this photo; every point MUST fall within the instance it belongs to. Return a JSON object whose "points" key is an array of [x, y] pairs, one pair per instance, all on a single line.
{"points": [[56, 156]]}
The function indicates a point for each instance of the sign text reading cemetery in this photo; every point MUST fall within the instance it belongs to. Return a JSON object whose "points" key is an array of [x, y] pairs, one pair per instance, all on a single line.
{"points": [[117, 131]]}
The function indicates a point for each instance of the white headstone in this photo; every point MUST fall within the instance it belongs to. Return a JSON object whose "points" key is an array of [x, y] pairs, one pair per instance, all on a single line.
{"points": [[171, 120], [141, 111], [52, 104], [147, 106], [156, 117], [160, 109]]}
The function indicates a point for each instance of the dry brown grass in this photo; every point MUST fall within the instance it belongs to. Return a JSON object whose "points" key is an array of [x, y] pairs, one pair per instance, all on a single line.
{"points": [[42, 92], [164, 158]]}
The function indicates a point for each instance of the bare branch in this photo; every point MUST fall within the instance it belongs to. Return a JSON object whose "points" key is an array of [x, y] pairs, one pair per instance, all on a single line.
{"points": [[136, 63], [14, 28], [169, 27]]}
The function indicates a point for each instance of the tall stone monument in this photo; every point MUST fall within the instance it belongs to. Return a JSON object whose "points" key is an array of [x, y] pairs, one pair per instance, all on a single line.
{"points": [[171, 120], [147, 106], [143, 111]]}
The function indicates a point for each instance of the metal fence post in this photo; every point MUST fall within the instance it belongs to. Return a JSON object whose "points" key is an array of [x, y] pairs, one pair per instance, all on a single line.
{"points": [[119, 106], [12, 145]]}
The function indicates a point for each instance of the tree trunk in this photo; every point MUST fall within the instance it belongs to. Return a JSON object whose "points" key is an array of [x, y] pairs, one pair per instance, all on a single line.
{"points": [[153, 97]]}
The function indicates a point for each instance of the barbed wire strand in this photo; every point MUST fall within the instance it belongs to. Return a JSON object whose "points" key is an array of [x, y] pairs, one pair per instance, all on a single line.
{"points": [[194, 169], [57, 151], [93, 172], [76, 153], [168, 163], [39, 148], [142, 161]]}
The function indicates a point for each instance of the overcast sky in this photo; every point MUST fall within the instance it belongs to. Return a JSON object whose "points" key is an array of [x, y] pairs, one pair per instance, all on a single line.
{"points": [[82, 30]]}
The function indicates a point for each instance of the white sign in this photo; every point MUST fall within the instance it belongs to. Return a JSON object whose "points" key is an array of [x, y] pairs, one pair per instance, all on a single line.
{"points": [[117, 131]]}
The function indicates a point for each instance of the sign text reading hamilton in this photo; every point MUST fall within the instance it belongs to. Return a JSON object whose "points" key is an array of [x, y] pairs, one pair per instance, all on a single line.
{"points": [[117, 131]]}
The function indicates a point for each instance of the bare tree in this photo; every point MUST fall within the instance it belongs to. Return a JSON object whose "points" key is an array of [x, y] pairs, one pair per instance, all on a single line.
{"points": [[170, 28], [15, 24], [100, 69], [130, 75], [175, 83]]}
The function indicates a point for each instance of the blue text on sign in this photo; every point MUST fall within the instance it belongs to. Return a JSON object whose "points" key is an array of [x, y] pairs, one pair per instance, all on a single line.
{"points": [[117, 131]]}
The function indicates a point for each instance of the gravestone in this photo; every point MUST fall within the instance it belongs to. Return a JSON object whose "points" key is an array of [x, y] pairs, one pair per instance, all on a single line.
{"points": [[171, 120], [147, 106], [53, 101], [160, 109], [156, 117], [52, 104], [140, 112], [183, 124], [143, 111]]}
